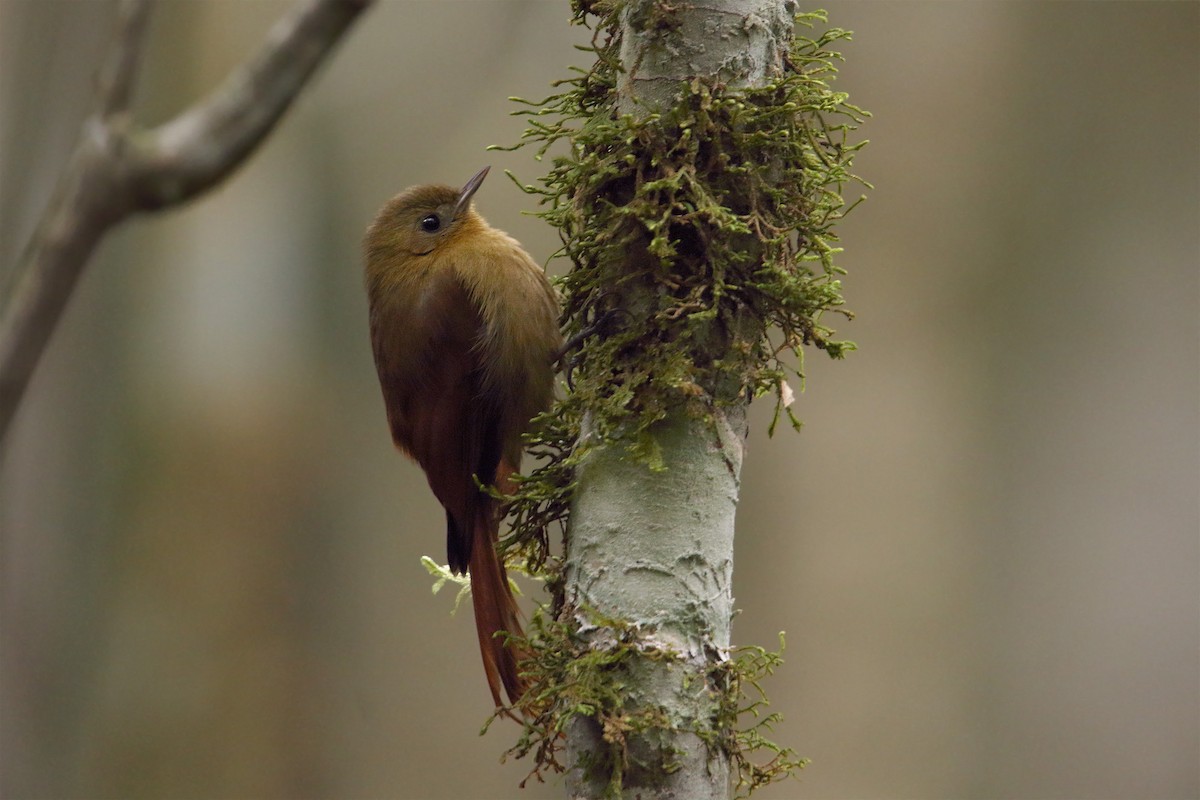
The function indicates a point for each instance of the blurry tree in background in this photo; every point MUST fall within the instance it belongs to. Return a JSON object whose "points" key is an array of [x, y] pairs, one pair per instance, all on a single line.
{"points": [[209, 554]]}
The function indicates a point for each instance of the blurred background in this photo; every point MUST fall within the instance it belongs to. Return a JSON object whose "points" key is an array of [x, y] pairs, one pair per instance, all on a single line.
{"points": [[984, 546]]}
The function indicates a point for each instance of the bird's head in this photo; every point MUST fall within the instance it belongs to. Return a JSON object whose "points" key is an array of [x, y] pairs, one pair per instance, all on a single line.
{"points": [[421, 219]]}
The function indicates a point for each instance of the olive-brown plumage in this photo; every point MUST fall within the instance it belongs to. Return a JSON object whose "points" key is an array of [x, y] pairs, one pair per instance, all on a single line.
{"points": [[464, 329]]}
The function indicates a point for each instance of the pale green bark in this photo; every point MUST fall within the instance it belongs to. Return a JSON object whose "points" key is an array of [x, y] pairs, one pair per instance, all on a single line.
{"points": [[655, 549]]}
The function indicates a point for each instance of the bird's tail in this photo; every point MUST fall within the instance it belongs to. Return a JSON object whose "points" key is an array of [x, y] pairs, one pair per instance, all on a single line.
{"points": [[496, 614]]}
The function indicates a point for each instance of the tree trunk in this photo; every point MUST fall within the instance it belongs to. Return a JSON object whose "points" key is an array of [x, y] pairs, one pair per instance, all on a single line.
{"points": [[652, 551], [655, 551]]}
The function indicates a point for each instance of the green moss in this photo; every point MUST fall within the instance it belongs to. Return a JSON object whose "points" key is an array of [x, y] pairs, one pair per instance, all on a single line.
{"points": [[702, 245], [703, 250], [572, 682], [743, 721]]}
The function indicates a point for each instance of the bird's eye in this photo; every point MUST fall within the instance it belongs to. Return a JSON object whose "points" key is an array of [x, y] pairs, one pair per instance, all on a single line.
{"points": [[431, 223]]}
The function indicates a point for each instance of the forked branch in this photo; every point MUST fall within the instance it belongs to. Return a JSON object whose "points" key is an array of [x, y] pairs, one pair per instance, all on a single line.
{"points": [[118, 169]]}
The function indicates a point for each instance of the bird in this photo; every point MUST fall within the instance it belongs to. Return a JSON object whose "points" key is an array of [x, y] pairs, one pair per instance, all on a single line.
{"points": [[465, 335]]}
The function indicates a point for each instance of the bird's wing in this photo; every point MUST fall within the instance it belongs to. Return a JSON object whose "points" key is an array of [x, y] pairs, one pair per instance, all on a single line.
{"points": [[437, 407]]}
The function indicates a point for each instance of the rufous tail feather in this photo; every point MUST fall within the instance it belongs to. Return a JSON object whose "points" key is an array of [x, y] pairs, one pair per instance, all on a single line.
{"points": [[496, 614]]}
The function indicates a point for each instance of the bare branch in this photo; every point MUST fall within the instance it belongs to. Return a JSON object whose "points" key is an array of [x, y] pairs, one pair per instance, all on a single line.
{"points": [[200, 146], [119, 73], [116, 170]]}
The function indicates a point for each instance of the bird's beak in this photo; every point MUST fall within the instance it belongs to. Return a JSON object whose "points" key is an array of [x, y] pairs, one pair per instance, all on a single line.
{"points": [[468, 191]]}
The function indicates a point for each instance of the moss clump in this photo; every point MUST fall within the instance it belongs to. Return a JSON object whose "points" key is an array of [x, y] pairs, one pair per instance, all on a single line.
{"points": [[702, 246], [744, 721], [703, 252], [574, 682]]}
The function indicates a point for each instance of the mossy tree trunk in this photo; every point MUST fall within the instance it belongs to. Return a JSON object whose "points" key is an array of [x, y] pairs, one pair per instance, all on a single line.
{"points": [[650, 551]]}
